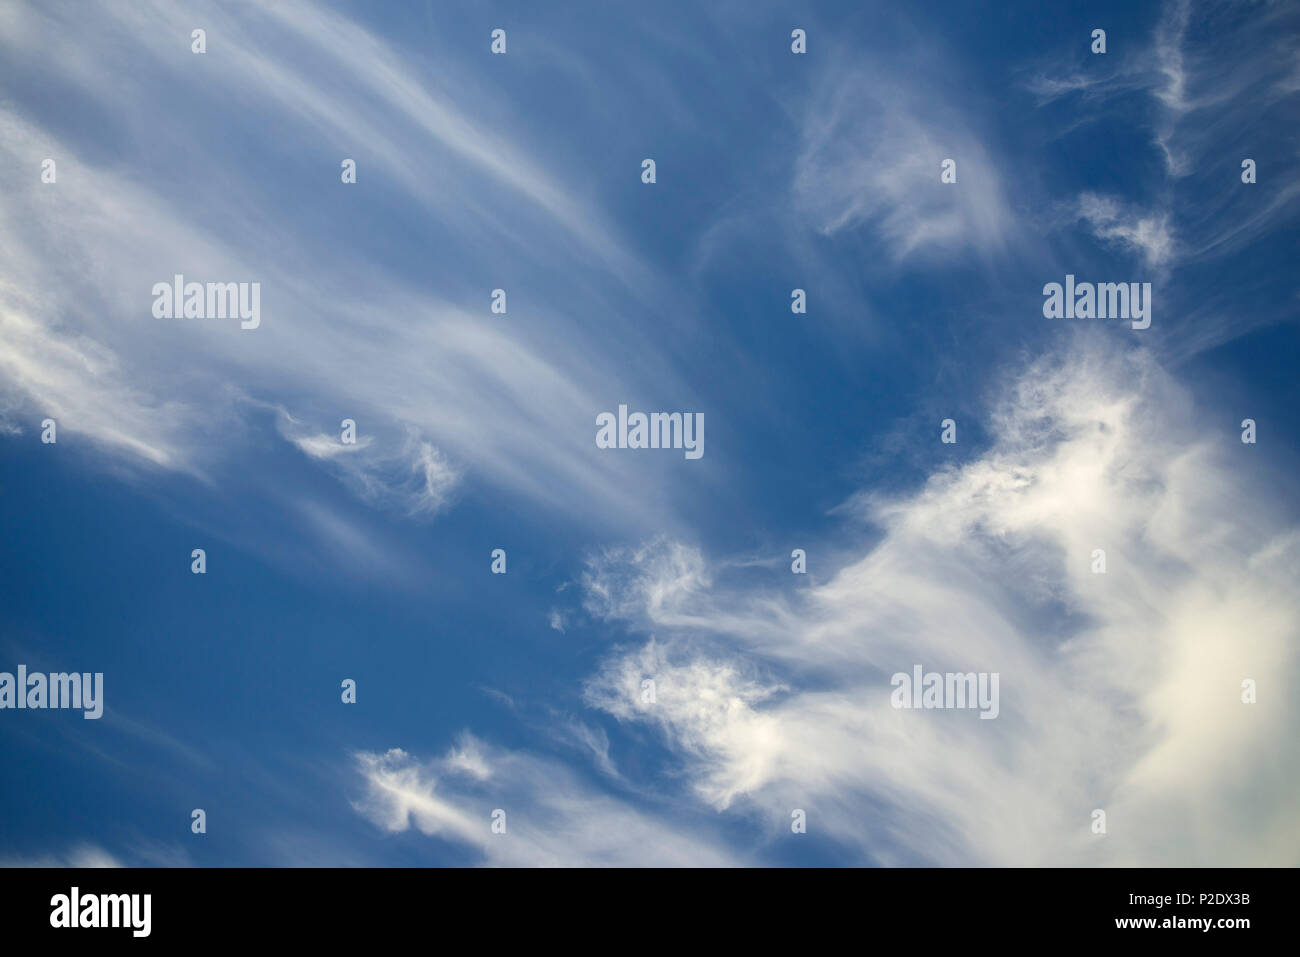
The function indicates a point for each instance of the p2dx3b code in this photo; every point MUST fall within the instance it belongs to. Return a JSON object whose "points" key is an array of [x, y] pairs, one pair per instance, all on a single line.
{"points": [[1224, 899]]}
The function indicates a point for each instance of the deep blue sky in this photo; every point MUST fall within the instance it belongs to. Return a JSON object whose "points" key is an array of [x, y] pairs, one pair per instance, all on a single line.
{"points": [[522, 171]]}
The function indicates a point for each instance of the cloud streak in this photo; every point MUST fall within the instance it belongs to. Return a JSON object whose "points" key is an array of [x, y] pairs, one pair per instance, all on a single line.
{"points": [[552, 819], [444, 390]]}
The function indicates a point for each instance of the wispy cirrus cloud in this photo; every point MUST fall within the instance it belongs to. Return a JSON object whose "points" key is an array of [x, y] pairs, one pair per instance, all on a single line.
{"points": [[1206, 87], [870, 156], [552, 818], [411, 474], [443, 388], [1147, 234], [1204, 93]]}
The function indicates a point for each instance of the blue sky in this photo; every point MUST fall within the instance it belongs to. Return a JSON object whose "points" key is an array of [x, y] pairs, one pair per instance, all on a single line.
{"points": [[476, 431]]}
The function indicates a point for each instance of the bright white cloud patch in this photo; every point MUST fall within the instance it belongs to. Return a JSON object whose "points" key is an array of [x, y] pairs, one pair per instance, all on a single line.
{"points": [[1120, 691]]}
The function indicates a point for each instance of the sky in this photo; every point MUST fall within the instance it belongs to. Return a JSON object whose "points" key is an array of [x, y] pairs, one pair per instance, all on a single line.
{"points": [[768, 734]]}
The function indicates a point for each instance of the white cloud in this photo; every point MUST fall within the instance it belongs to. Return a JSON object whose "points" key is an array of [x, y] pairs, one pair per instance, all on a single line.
{"points": [[592, 741], [442, 388], [1149, 234], [656, 574], [1167, 51], [1118, 691], [1206, 94], [49, 371], [410, 474], [552, 818], [871, 156]]}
